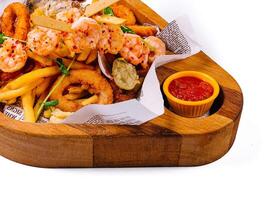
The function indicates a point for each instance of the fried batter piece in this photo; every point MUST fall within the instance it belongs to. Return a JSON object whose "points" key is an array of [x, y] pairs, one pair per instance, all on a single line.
{"points": [[91, 80], [124, 12], [16, 21]]}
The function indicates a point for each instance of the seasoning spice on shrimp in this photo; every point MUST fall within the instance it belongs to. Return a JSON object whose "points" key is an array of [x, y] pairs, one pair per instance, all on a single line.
{"points": [[63, 42]]}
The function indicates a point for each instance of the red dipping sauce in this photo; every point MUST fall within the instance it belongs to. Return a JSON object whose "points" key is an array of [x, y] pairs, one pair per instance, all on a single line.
{"points": [[190, 89]]}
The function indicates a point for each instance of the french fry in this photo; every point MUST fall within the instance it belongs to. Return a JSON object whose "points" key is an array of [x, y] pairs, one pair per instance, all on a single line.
{"points": [[75, 90], [144, 31], [11, 101], [97, 6], [43, 86], [107, 19], [92, 56], [84, 55], [47, 114], [51, 23], [11, 94], [69, 44], [73, 97], [32, 77], [91, 100], [27, 102], [75, 65], [43, 60]]}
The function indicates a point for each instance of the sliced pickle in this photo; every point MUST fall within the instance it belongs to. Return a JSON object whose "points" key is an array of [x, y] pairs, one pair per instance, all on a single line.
{"points": [[124, 74]]}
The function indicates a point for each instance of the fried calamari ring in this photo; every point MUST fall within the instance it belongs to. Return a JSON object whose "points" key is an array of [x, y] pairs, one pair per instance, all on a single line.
{"points": [[16, 21], [95, 83]]}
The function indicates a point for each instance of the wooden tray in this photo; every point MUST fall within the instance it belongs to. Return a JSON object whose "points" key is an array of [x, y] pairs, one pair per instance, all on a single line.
{"points": [[169, 140]]}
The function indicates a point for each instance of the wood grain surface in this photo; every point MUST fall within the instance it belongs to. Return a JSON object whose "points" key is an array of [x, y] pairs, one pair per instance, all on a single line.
{"points": [[169, 140]]}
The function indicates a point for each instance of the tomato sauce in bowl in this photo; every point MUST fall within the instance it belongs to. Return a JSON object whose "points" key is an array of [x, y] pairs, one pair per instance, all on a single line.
{"points": [[190, 89], [190, 93]]}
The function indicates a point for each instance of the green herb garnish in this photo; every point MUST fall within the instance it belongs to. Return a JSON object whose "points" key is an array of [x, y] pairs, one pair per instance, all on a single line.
{"points": [[54, 88], [108, 11], [49, 104], [62, 66], [125, 29], [2, 38]]}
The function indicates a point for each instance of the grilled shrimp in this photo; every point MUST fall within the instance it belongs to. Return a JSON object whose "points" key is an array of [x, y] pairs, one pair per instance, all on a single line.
{"points": [[69, 16], [86, 35], [13, 56], [42, 41], [135, 51], [157, 47], [112, 39]]}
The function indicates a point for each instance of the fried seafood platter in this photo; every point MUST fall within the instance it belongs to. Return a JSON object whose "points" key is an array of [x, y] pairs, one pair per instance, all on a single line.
{"points": [[58, 56]]}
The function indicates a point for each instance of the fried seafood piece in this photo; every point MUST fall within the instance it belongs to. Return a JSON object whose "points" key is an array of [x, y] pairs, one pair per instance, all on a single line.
{"points": [[157, 47], [43, 41], [112, 39], [86, 35], [124, 12], [16, 21], [91, 80], [135, 51], [69, 16], [13, 56], [144, 31]]}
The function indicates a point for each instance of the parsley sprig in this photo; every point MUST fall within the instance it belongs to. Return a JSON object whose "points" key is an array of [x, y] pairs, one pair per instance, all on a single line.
{"points": [[126, 29], [108, 11], [62, 66], [48, 103]]}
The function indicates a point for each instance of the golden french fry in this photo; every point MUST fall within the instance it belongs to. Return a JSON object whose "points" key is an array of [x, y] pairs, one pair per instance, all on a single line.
{"points": [[97, 6], [10, 102], [144, 31], [84, 55], [75, 90], [43, 86], [11, 94], [43, 60], [91, 100], [32, 77], [27, 102], [47, 114], [75, 65], [107, 19], [76, 96], [92, 56], [51, 23]]}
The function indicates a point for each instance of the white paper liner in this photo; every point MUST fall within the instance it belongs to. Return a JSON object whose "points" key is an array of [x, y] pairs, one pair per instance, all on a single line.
{"points": [[180, 39]]}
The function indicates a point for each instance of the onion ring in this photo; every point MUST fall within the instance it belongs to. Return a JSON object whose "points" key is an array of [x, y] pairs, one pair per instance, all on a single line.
{"points": [[95, 82], [16, 21]]}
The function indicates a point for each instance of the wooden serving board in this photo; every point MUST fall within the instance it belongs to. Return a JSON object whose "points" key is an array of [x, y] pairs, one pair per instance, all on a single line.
{"points": [[169, 140]]}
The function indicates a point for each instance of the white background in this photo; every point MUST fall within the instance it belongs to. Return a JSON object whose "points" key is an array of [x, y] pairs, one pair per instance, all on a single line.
{"points": [[236, 34]]}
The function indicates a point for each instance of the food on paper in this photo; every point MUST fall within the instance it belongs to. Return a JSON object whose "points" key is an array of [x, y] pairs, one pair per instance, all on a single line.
{"points": [[52, 57], [143, 31], [124, 13], [191, 93]]}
